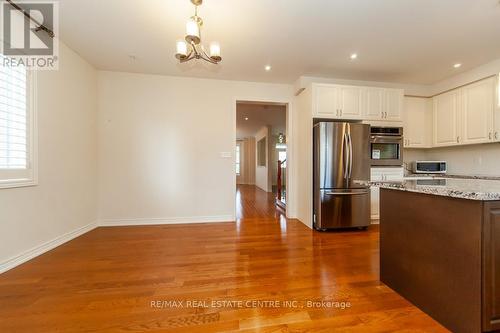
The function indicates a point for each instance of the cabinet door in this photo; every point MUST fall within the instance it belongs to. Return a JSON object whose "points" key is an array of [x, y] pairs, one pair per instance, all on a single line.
{"points": [[373, 103], [496, 134], [325, 101], [417, 122], [446, 119], [393, 104], [478, 107], [350, 102], [376, 176], [491, 267]]}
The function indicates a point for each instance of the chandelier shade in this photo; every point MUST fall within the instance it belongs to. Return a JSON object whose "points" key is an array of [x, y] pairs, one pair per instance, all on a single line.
{"points": [[190, 48]]}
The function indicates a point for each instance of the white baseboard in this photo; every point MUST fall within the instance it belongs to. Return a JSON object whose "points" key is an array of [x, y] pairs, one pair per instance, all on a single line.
{"points": [[163, 221], [375, 219], [45, 247]]}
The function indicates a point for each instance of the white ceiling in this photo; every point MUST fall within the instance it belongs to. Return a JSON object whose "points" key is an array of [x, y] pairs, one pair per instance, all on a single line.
{"points": [[411, 41], [259, 115]]}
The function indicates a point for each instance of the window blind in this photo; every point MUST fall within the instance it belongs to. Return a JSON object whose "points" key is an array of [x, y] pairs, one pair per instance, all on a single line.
{"points": [[13, 118]]}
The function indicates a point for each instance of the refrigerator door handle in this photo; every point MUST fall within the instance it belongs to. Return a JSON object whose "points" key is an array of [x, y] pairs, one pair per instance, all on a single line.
{"points": [[350, 155], [345, 155], [346, 193]]}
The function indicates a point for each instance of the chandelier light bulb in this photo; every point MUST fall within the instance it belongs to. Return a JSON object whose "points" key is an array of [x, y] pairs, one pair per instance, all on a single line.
{"points": [[215, 51], [181, 49], [192, 31]]}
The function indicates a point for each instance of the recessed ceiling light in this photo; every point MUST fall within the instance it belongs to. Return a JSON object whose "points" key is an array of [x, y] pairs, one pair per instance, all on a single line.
{"points": [[354, 56], [246, 118], [457, 65], [267, 68]]}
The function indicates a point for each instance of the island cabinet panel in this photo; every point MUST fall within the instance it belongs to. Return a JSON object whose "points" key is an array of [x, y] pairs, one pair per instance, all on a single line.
{"points": [[491, 267], [431, 254]]}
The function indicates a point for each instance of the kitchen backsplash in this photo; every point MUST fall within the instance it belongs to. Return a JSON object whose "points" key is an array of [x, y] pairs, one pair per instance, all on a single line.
{"points": [[464, 160]]}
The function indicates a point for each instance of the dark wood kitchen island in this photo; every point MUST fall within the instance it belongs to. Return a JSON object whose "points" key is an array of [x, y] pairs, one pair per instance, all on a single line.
{"points": [[440, 249]]}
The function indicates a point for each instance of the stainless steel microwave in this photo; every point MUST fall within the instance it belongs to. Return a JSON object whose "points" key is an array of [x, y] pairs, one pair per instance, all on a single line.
{"points": [[439, 167], [386, 146]]}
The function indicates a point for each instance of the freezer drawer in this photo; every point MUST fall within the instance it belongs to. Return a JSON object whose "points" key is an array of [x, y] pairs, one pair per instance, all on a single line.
{"points": [[348, 208]]}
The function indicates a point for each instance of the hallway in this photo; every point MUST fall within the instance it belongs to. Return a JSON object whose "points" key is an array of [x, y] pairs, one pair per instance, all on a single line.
{"points": [[252, 202]]}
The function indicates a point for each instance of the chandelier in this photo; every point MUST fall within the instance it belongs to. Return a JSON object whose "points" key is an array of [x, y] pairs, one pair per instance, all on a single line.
{"points": [[190, 48]]}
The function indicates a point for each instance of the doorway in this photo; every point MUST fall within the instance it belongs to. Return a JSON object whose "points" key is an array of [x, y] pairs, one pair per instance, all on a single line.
{"points": [[261, 158]]}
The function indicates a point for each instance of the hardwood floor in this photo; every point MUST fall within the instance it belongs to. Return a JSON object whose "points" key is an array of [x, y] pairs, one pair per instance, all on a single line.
{"points": [[120, 280]]}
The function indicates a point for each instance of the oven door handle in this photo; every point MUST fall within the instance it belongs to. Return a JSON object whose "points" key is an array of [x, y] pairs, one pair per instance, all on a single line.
{"points": [[387, 137]]}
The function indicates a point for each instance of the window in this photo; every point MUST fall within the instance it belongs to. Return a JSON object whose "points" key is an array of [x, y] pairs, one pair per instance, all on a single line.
{"points": [[238, 159], [282, 158], [17, 124]]}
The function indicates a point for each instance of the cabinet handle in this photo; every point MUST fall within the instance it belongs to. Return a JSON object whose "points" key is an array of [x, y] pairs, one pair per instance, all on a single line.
{"points": [[496, 135]]}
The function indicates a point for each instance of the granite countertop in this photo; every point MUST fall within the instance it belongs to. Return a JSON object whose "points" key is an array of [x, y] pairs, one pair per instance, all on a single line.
{"points": [[462, 188]]}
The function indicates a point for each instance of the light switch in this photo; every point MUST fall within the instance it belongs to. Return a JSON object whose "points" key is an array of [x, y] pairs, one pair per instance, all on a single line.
{"points": [[226, 154]]}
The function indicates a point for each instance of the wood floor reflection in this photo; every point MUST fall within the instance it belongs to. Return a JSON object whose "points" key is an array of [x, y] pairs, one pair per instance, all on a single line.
{"points": [[126, 279]]}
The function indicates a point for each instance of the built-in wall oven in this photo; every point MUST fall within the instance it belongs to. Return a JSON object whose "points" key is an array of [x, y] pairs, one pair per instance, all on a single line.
{"points": [[386, 146]]}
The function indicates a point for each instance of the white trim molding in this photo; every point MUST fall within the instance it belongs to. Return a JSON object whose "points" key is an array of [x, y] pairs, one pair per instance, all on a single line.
{"points": [[45, 247], [165, 221]]}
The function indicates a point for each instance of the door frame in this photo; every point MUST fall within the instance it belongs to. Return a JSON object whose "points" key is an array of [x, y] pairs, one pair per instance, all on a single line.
{"points": [[291, 211]]}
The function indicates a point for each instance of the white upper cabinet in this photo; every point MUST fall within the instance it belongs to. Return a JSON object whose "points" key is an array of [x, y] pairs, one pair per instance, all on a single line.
{"points": [[325, 101], [478, 108], [393, 107], [349, 102], [447, 119], [417, 122], [373, 103], [357, 103], [466, 115]]}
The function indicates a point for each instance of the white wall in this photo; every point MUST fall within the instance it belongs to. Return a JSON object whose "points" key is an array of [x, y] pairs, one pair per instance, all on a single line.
{"points": [[160, 141], [65, 199], [304, 146]]}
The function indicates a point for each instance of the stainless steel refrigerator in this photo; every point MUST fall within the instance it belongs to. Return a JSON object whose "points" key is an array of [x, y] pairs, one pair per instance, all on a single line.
{"points": [[341, 158]]}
